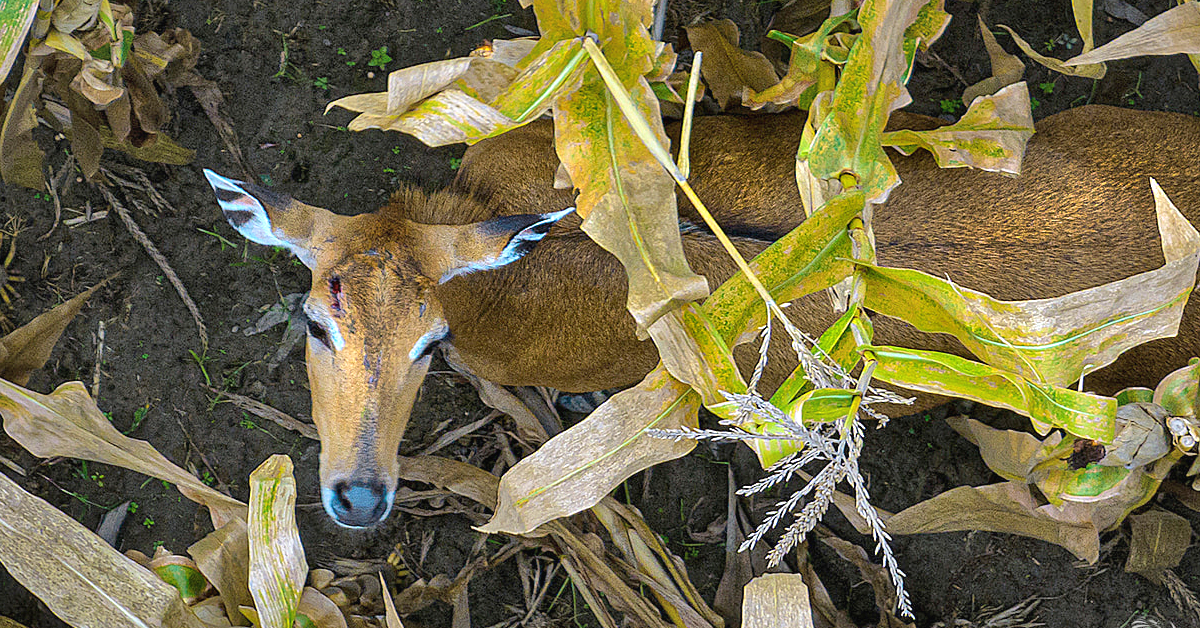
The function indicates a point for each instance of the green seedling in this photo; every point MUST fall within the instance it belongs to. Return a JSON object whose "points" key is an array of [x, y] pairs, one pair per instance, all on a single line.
{"points": [[1047, 88], [148, 522], [342, 51], [455, 162], [133, 508], [321, 82], [207, 478], [1034, 103], [139, 415], [380, 58], [1136, 91], [202, 362], [950, 105], [225, 242]]}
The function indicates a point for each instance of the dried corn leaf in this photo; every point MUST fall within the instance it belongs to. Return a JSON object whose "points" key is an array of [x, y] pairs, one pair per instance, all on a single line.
{"points": [[223, 556], [20, 157], [27, 348], [391, 617], [1008, 507], [1010, 454], [1006, 69], [577, 468], [82, 580], [1174, 31], [875, 575], [776, 600], [16, 16], [458, 477], [320, 611], [729, 70], [67, 423], [1158, 540], [991, 135], [1092, 71], [1052, 340], [277, 566]]}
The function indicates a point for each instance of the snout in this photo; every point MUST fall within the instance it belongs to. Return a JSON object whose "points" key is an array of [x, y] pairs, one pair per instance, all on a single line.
{"points": [[358, 503]]}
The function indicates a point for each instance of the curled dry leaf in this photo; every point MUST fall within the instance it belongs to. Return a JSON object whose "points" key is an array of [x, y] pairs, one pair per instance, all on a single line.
{"points": [[319, 610], [1174, 31], [27, 348], [875, 575], [1006, 68], [1092, 71], [1158, 540], [67, 423], [76, 574], [277, 565], [991, 135], [223, 556], [20, 156], [729, 70], [577, 468], [391, 617]]}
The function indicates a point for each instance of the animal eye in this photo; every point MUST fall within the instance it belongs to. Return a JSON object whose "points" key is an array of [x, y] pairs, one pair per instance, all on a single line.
{"points": [[316, 331]]}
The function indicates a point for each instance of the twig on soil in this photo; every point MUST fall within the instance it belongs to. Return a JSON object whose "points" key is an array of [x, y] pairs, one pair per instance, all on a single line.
{"points": [[59, 180], [221, 485], [99, 359], [263, 411], [158, 258], [210, 97], [454, 435], [131, 178]]}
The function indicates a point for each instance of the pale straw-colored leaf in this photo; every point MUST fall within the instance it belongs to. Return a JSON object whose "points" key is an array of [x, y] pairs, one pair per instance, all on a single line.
{"points": [[223, 556], [76, 574], [776, 600], [67, 423], [277, 565], [1091, 70], [1006, 68], [1174, 31]]}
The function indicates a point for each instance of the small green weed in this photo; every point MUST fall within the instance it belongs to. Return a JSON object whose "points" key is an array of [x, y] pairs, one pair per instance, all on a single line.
{"points": [[148, 522], [1047, 88], [950, 105], [380, 58], [220, 238], [321, 82], [455, 162]]}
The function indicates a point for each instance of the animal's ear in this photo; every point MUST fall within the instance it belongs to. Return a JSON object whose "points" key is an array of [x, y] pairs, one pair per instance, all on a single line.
{"points": [[446, 251], [268, 217]]}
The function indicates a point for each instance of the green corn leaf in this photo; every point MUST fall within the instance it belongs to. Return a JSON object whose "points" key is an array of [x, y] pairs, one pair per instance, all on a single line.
{"points": [[15, 18], [277, 565]]}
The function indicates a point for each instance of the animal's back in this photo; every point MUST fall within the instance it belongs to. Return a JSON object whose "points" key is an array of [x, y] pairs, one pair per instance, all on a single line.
{"points": [[1080, 215]]}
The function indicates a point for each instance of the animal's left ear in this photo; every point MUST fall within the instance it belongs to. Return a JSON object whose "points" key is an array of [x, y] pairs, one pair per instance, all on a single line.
{"points": [[446, 251]]}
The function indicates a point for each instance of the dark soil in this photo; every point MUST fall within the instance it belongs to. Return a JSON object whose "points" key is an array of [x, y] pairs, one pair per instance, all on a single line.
{"points": [[153, 358]]}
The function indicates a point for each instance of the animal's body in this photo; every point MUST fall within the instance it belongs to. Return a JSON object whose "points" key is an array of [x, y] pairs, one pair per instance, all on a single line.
{"points": [[388, 286]]}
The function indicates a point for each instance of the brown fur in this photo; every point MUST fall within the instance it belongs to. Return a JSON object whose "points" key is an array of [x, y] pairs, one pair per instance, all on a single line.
{"points": [[1080, 215]]}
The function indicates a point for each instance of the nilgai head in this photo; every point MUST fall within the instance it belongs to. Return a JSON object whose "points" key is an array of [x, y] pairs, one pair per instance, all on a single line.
{"points": [[373, 319]]}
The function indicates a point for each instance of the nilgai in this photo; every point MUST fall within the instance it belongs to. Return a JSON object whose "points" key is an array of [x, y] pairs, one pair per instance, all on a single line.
{"points": [[497, 269]]}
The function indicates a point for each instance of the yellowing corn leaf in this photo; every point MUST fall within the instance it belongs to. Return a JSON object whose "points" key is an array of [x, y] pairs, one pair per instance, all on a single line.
{"points": [[803, 66], [991, 135], [1179, 391], [67, 423], [277, 566], [1171, 32], [1082, 10], [870, 88], [694, 353], [776, 600], [20, 157], [223, 556], [1083, 414], [15, 18], [1052, 340], [1092, 71], [83, 580], [1006, 69], [577, 468], [1157, 541], [466, 100], [626, 198], [730, 71]]}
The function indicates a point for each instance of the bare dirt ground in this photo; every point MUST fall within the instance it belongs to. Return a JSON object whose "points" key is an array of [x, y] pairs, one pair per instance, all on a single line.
{"points": [[278, 64]]}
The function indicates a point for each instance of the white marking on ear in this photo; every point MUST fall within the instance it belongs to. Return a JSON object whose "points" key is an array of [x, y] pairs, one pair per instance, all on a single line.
{"points": [[517, 247], [248, 216], [428, 338]]}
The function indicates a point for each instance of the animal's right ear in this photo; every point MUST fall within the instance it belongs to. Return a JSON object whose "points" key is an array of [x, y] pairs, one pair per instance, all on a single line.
{"points": [[268, 217]]}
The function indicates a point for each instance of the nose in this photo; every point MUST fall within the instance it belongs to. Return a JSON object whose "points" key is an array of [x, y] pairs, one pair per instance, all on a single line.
{"points": [[357, 504]]}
